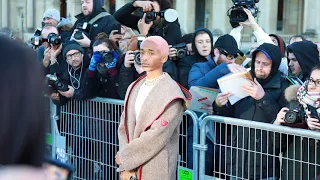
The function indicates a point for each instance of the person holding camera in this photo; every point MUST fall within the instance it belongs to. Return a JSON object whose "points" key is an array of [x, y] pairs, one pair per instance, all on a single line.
{"points": [[93, 20], [148, 136], [182, 49], [51, 17], [264, 101], [50, 52], [106, 63], [302, 112], [158, 26], [75, 81]]}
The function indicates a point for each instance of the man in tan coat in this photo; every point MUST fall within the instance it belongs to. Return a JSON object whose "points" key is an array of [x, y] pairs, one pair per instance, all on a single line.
{"points": [[149, 127]]}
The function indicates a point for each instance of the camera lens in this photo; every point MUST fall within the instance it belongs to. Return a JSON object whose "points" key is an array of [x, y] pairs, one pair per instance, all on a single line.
{"points": [[291, 117], [137, 59], [181, 53], [107, 58], [78, 35]]}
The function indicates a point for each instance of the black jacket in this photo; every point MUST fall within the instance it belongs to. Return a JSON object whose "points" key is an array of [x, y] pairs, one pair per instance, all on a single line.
{"points": [[263, 110], [185, 64], [84, 85], [169, 31], [307, 55]]}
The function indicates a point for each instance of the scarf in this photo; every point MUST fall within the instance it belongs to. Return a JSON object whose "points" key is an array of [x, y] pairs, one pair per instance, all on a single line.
{"points": [[306, 98]]}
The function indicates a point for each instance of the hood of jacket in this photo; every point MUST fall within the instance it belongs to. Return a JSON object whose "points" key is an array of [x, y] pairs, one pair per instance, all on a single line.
{"points": [[274, 53], [282, 44], [307, 54], [97, 9], [196, 32]]}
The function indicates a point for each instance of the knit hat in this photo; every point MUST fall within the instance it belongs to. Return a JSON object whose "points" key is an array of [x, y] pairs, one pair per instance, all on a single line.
{"points": [[52, 13], [72, 45]]}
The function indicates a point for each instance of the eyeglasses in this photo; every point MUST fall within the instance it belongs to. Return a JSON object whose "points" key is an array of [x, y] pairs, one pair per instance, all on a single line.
{"points": [[76, 55], [224, 52], [316, 82]]}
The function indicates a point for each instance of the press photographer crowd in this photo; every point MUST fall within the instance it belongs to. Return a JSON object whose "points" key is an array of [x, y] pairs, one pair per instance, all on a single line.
{"points": [[105, 55]]}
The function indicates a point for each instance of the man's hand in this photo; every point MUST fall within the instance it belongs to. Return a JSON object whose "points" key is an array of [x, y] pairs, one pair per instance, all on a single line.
{"points": [[115, 37], [280, 117], [236, 68], [129, 59], [54, 96], [54, 52], [69, 93], [145, 5], [222, 98], [254, 90], [172, 52], [207, 107], [46, 58], [143, 26], [313, 123], [85, 42], [251, 22]]}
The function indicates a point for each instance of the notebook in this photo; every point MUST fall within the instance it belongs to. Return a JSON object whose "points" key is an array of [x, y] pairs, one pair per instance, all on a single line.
{"points": [[200, 95]]}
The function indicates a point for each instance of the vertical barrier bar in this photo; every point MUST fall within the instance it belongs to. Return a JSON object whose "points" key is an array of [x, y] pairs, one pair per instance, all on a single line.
{"points": [[53, 119]]}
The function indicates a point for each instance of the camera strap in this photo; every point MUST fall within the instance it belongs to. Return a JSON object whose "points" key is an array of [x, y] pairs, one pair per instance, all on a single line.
{"points": [[99, 16]]}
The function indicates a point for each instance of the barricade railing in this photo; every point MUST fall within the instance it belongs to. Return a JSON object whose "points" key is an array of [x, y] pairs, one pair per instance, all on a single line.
{"points": [[86, 137], [246, 149]]}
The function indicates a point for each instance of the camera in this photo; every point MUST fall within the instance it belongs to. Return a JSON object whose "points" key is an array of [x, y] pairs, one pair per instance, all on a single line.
{"points": [[54, 84], [295, 114], [237, 14], [170, 15], [54, 39], [181, 50], [137, 59], [82, 28], [106, 57], [36, 39]]}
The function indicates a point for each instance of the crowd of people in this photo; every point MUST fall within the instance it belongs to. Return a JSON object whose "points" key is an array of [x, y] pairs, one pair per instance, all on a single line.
{"points": [[101, 55]]}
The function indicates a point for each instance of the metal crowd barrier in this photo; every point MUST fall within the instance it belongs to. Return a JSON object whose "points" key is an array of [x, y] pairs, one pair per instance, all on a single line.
{"points": [[256, 150], [86, 137]]}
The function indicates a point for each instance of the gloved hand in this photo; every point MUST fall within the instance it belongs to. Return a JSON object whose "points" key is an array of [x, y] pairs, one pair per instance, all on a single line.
{"points": [[95, 59], [114, 62]]}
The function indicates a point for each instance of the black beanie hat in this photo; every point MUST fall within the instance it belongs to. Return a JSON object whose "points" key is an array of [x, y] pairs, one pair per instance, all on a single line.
{"points": [[72, 45]]}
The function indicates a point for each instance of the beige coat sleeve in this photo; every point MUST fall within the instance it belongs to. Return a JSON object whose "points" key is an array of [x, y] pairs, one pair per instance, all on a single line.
{"points": [[152, 141]]}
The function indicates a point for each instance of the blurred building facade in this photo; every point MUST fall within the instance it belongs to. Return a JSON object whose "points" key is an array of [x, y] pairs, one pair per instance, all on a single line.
{"points": [[284, 17]]}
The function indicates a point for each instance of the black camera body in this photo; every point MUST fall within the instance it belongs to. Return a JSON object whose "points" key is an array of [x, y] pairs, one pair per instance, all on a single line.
{"points": [[53, 84], [54, 39], [236, 12], [36, 39], [181, 50], [295, 114], [150, 16], [106, 57], [82, 28], [137, 59]]}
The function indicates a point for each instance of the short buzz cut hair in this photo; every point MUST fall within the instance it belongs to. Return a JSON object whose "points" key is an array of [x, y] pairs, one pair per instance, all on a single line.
{"points": [[47, 27]]}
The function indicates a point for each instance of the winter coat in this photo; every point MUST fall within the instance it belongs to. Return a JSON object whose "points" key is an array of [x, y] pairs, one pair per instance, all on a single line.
{"points": [[151, 142], [169, 31], [207, 73], [254, 165], [185, 64]]}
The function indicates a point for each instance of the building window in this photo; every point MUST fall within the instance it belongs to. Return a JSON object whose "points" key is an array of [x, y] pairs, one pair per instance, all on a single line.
{"points": [[280, 15]]}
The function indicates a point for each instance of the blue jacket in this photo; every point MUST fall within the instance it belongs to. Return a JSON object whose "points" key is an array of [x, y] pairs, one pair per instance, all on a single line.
{"points": [[207, 73]]}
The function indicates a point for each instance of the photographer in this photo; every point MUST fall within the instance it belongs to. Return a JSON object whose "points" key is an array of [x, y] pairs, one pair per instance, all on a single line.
{"points": [[160, 27], [105, 62], [301, 112], [75, 80], [182, 49], [49, 54], [51, 17], [98, 21]]}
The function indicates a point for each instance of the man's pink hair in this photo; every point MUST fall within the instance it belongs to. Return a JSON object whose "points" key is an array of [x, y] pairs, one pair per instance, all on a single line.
{"points": [[161, 44]]}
